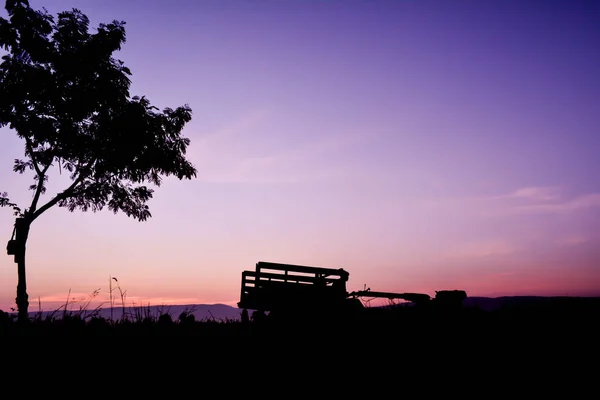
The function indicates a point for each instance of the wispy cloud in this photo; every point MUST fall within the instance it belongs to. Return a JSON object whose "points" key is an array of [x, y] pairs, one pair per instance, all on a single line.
{"points": [[534, 193], [574, 204], [572, 240], [72, 301], [83, 301], [522, 201], [243, 125], [244, 153]]}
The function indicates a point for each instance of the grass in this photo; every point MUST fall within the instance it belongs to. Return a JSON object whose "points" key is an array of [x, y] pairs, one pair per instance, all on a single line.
{"points": [[134, 319]]}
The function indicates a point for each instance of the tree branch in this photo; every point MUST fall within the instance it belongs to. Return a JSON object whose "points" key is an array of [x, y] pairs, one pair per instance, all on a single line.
{"points": [[40, 187], [64, 194], [33, 159], [36, 196]]}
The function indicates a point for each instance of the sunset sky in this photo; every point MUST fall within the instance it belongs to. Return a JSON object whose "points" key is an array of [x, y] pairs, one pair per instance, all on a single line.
{"points": [[420, 145]]}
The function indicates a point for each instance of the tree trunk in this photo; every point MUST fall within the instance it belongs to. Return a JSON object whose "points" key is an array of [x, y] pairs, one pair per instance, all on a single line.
{"points": [[22, 300]]}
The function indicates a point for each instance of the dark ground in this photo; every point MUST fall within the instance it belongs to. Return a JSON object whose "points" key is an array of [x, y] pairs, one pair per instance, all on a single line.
{"points": [[558, 320]]}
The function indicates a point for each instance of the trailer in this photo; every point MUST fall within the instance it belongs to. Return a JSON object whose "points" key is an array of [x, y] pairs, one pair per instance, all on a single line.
{"points": [[275, 286], [279, 288]]}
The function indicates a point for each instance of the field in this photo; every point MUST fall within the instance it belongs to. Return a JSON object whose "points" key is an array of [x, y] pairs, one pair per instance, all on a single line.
{"points": [[552, 319]]}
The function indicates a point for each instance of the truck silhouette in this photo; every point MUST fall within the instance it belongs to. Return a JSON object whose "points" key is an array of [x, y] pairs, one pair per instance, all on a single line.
{"points": [[286, 288]]}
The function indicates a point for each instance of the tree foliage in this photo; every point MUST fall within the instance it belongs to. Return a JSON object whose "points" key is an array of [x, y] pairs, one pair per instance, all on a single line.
{"points": [[65, 95]]}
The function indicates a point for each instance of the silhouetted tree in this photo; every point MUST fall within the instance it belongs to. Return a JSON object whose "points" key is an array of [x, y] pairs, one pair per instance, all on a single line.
{"points": [[68, 99]]}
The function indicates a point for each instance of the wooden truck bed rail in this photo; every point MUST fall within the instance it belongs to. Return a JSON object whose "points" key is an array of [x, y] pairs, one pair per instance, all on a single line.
{"points": [[274, 285]]}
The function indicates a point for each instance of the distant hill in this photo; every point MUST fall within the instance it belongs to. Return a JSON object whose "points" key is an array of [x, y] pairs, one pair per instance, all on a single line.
{"points": [[528, 302], [202, 312], [486, 303]]}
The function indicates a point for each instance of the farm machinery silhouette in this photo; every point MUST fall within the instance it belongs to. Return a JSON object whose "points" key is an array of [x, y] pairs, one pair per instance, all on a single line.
{"points": [[285, 289]]}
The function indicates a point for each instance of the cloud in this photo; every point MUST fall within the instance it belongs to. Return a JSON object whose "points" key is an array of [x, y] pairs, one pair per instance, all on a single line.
{"points": [[572, 240], [574, 204], [86, 302], [76, 300], [245, 152], [271, 170], [522, 201], [239, 127], [547, 200], [535, 193]]}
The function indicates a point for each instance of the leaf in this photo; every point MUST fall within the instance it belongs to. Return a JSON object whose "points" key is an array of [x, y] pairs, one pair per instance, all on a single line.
{"points": [[20, 166], [5, 202]]}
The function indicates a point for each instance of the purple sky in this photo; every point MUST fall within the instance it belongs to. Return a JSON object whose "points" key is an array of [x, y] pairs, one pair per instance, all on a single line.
{"points": [[420, 145]]}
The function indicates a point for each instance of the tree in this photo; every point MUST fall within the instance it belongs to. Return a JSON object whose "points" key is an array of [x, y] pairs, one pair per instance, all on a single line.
{"points": [[68, 99]]}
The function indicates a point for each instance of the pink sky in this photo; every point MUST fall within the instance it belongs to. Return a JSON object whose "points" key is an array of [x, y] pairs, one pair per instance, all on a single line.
{"points": [[418, 145]]}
